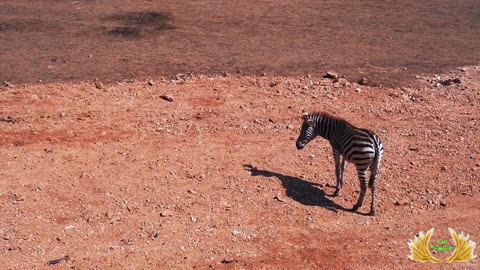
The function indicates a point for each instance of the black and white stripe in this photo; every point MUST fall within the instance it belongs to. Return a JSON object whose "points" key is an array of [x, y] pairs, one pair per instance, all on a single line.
{"points": [[356, 145]]}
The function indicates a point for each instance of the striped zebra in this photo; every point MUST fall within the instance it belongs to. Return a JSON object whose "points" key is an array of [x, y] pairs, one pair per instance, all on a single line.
{"points": [[356, 145]]}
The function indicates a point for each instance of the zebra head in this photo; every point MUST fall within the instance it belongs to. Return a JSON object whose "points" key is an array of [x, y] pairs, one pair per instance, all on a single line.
{"points": [[307, 131]]}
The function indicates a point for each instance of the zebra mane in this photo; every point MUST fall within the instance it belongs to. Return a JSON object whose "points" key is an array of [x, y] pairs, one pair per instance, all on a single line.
{"points": [[331, 116]]}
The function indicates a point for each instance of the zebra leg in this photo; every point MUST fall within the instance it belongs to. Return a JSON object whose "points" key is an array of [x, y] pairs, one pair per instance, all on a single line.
{"points": [[338, 171], [363, 188], [342, 168], [372, 183]]}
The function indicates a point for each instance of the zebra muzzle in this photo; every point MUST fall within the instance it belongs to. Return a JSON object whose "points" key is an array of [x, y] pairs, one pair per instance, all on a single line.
{"points": [[300, 145]]}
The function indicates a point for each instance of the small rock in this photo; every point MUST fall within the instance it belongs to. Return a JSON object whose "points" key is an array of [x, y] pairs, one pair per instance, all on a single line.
{"points": [[8, 84], [194, 219], [325, 83], [363, 81], [343, 82], [167, 98], [236, 232], [443, 203], [99, 85], [151, 83], [450, 82], [331, 75], [180, 76], [443, 168], [358, 90], [227, 261], [165, 214], [191, 191], [7, 119], [264, 74], [155, 235], [57, 261], [225, 74], [127, 241], [62, 114], [69, 227], [278, 198], [402, 202]]}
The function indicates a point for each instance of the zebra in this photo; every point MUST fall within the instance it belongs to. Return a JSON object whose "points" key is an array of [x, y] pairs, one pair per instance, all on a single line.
{"points": [[356, 145]]}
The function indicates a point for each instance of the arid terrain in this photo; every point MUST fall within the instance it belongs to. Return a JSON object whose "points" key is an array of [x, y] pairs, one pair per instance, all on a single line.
{"points": [[162, 136], [119, 178]]}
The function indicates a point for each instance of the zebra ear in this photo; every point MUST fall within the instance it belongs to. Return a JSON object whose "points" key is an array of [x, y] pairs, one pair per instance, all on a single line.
{"points": [[305, 115]]}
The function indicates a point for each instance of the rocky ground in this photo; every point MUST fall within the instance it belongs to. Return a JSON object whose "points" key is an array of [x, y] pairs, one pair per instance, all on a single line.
{"points": [[202, 172]]}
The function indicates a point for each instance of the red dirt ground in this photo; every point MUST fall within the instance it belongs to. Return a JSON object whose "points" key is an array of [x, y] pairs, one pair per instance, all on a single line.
{"points": [[119, 178]]}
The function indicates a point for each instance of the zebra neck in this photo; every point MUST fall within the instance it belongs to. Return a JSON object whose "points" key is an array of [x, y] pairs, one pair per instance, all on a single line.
{"points": [[327, 126]]}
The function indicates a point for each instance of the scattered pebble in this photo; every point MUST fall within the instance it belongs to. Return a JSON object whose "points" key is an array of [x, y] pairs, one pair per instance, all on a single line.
{"points": [[236, 232], [65, 258], [227, 261], [402, 202], [98, 85], [331, 75], [151, 83], [449, 82], [8, 84], [165, 214], [225, 74], [7, 119], [363, 81], [167, 98]]}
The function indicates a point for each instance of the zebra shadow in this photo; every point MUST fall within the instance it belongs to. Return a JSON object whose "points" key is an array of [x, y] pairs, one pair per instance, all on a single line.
{"points": [[298, 189]]}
